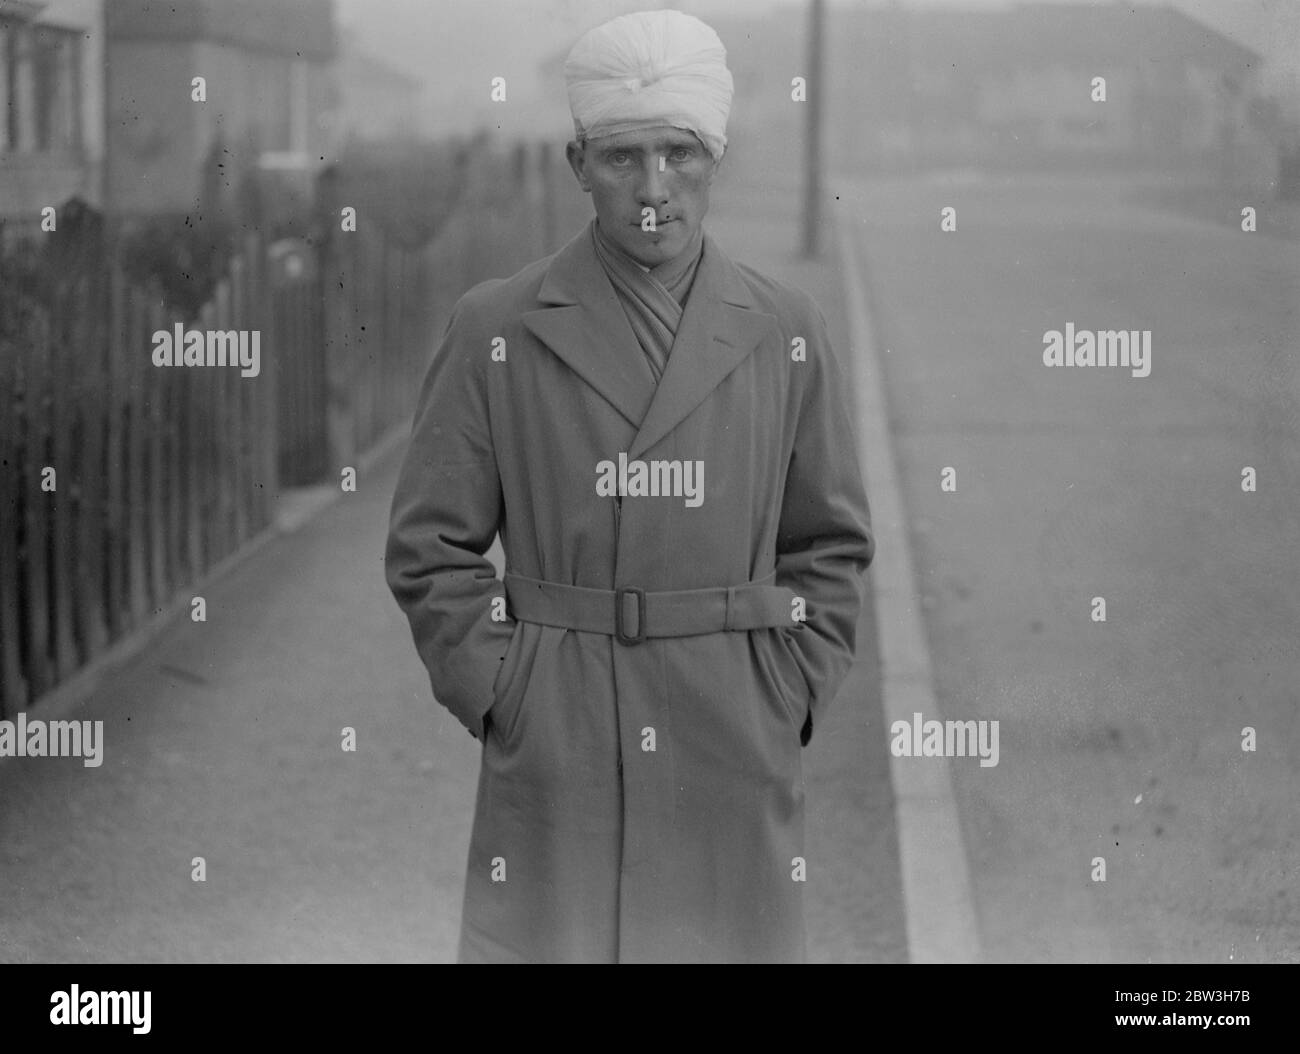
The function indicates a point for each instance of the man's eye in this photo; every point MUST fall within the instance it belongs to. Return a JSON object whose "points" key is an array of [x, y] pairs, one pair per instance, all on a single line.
{"points": [[682, 153], [619, 158]]}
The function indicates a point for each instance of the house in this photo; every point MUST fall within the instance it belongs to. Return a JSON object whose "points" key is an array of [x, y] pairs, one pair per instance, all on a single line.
{"points": [[200, 92], [376, 100], [1012, 87], [1019, 86], [51, 107]]}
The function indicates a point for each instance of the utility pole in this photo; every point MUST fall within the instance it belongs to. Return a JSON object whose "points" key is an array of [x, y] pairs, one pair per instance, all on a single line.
{"points": [[812, 159]]}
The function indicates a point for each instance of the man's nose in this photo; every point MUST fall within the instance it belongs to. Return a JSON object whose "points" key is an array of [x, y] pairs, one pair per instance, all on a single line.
{"points": [[654, 184]]}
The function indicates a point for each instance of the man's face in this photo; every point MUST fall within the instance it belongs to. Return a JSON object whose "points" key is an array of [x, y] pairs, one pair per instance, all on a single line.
{"points": [[664, 169]]}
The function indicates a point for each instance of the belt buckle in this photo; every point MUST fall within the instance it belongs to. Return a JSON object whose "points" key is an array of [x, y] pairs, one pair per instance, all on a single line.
{"points": [[620, 606]]}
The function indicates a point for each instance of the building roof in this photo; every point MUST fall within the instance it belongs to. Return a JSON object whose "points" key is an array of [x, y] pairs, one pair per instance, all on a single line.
{"points": [[353, 57], [979, 42], [292, 27], [1133, 32], [1076, 34]]}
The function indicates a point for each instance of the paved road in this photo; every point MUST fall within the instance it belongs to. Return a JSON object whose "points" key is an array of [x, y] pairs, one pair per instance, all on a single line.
{"points": [[1120, 740]]}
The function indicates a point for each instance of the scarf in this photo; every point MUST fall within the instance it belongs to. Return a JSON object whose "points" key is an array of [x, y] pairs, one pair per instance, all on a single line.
{"points": [[653, 300]]}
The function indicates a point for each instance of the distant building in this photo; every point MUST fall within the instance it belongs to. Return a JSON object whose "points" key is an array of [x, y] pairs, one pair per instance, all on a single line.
{"points": [[51, 106], [376, 100], [1017, 85], [1009, 87], [270, 97]]}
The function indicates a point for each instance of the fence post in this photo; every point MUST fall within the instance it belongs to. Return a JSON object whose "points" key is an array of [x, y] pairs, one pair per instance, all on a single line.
{"points": [[210, 451], [62, 424], [37, 534], [116, 400], [222, 447], [154, 385], [91, 345], [176, 387], [266, 428], [239, 407], [13, 686], [137, 438]]}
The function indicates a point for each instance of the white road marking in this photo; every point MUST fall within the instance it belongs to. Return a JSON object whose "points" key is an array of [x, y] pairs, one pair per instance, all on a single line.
{"points": [[937, 897]]}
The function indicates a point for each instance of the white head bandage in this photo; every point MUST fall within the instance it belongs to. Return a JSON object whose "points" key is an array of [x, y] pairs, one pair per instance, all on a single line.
{"points": [[650, 68]]}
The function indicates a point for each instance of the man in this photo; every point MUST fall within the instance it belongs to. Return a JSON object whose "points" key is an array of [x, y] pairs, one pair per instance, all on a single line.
{"points": [[659, 435]]}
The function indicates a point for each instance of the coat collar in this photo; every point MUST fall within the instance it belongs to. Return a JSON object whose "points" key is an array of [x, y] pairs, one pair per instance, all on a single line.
{"points": [[584, 325]]}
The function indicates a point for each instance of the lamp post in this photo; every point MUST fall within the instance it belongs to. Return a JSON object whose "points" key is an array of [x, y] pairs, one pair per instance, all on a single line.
{"points": [[812, 175]]}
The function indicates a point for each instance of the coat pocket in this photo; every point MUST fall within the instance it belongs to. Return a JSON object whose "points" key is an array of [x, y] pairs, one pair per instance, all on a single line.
{"points": [[508, 687], [781, 669]]}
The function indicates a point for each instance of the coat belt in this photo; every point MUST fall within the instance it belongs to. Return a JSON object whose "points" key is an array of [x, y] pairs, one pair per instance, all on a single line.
{"points": [[632, 614]]}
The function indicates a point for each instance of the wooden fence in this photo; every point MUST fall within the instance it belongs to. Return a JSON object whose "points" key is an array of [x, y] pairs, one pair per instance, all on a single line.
{"points": [[123, 483]]}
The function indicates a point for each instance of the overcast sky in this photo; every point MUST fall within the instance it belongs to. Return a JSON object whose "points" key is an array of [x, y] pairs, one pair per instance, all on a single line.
{"points": [[457, 46]]}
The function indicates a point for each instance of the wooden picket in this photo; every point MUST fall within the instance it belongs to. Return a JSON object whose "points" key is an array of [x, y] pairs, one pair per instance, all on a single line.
{"points": [[34, 558], [13, 681], [115, 519]]}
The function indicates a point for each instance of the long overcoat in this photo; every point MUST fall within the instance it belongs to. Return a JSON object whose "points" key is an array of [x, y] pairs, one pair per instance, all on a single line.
{"points": [[636, 801]]}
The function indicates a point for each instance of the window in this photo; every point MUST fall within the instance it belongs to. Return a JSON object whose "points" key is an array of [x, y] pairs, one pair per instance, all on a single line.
{"points": [[8, 85], [56, 74], [40, 89]]}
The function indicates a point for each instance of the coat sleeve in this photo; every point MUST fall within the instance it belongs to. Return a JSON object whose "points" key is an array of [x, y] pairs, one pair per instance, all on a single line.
{"points": [[445, 513], [824, 539]]}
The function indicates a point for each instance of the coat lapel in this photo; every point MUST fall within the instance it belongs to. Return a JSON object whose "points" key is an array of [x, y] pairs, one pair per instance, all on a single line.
{"points": [[720, 327], [586, 327]]}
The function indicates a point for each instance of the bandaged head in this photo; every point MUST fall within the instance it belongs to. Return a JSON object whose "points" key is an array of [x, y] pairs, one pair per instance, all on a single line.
{"points": [[646, 69]]}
